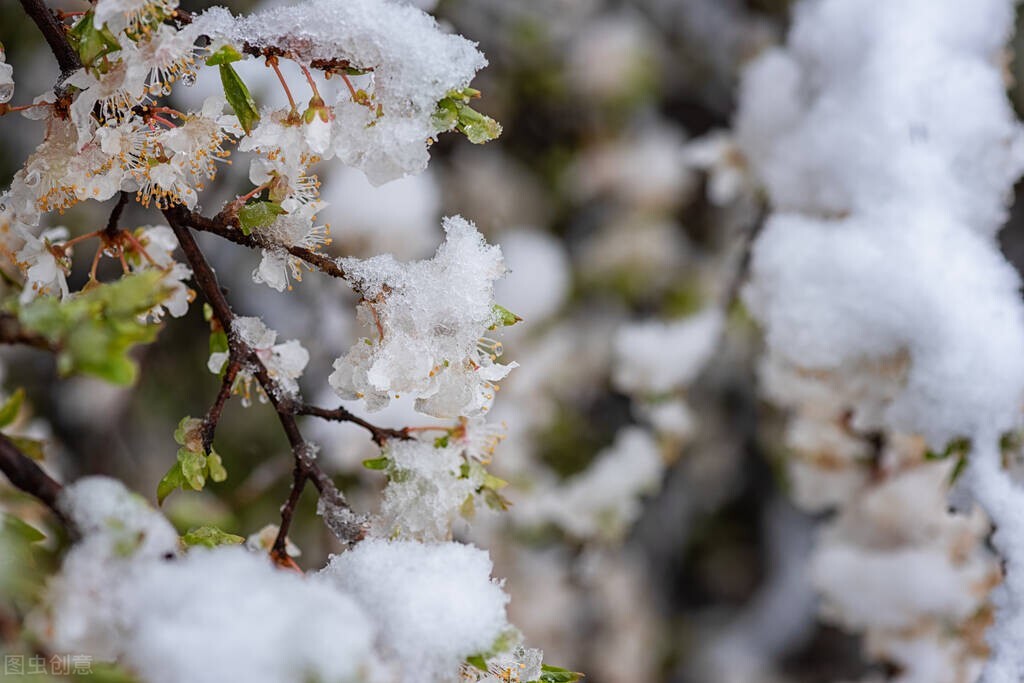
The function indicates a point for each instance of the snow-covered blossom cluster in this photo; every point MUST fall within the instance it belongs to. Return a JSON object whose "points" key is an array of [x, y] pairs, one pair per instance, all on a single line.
{"points": [[893, 322]]}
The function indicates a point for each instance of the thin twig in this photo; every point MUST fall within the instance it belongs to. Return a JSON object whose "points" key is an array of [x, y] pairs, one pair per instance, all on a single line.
{"points": [[222, 228], [115, 216], [213, 415], [340, 414]]}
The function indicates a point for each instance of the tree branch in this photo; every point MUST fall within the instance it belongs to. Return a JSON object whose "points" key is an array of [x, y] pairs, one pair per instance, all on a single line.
{"points": [[240, 353], [26, 475], [212, 418], [53, 32], [11, 332], [219, 225], [340, 414]]}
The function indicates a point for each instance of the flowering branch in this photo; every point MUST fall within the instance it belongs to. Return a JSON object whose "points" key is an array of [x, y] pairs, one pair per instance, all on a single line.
{"points": [[223, 226], [305, 467]]}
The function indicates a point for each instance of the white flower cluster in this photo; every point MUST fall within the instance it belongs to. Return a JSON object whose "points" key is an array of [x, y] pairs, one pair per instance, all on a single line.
{"points": [[430, 319], [410, 65], [284, 362], [886, 303]]}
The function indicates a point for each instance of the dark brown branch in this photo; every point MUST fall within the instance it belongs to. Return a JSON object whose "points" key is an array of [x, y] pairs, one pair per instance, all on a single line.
{"points": [[53, 32], [279, 551], [26, 475], [212, 418], [340, 414], [305, 466], [220, 226], [115, 216]]}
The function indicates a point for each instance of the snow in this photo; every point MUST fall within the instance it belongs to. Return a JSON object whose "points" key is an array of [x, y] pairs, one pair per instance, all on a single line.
{"points": [[432, 315], [413, 65], [425, 491], [436, 604], [885, 139]]}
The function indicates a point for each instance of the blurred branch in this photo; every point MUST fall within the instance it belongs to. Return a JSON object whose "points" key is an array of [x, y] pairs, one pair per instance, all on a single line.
{"points": [[11, 332], [26, 475]]}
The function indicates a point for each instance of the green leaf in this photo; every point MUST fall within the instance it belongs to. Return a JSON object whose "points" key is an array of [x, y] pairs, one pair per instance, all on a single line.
{"points": [[11, 526], [11, 407], [215, 466], [95, 328], [453, 111], [171, 481], [442, 441], [193, 468], [218, 342], [239, 98], [556, 674], [225, 55], [258, 215], [90, 42], [210, 537], [376, 463], [477, 661], [30, 447], [477, 127], [503, 317]]}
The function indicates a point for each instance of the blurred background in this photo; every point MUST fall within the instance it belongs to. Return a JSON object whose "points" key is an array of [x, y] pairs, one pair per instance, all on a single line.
{"points": [[650, 535]]}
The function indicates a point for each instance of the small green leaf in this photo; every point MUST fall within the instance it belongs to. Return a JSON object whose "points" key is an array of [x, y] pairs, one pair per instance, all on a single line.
{"points": [[33, 448], [218, 342], [171, 481], [503, 317], [477, 127], [376, 463], [11, 407], [94, 329], [193, 468], [90, 42], [442, 441], [477, 661], [494, 483], [258, 215], [238, 96], [225, 55], [556, 674], [210, 537], [13, 526], [495, 500], [215, 466]]}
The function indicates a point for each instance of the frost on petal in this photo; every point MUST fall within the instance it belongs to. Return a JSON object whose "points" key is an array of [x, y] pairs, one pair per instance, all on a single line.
{"points": [[425, 491], [6, 80], [435, 604], [414, 65], [427, 320]]}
